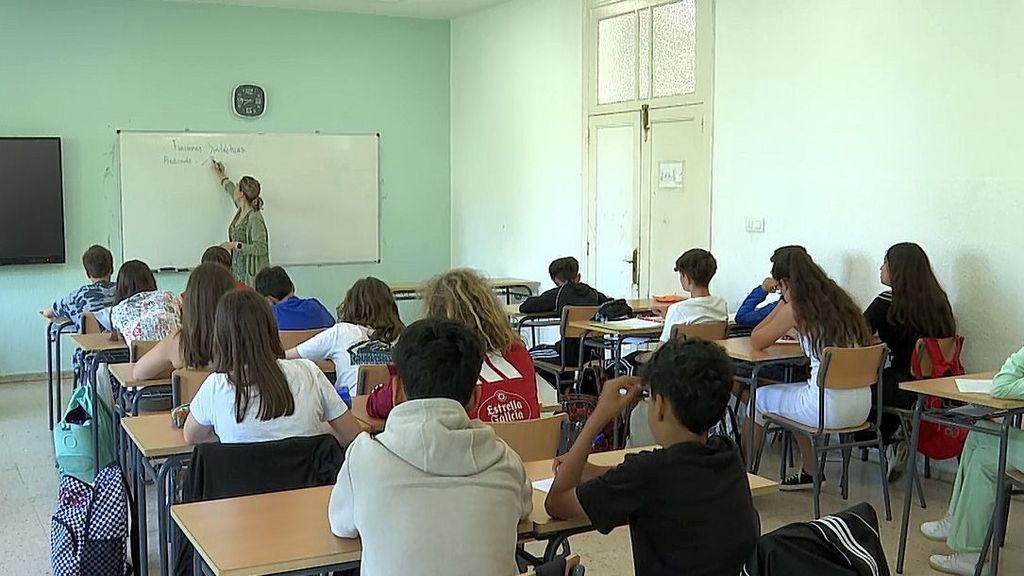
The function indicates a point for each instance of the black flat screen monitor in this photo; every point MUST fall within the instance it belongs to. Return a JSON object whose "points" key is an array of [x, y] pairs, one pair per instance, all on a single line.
{"points": [[31, 201]]}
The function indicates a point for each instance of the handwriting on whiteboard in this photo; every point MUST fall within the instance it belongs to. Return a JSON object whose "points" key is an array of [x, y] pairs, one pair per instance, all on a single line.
{"points": [[185, 153]]}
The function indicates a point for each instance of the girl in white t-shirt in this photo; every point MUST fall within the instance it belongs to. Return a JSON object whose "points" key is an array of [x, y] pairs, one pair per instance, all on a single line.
{"points": [[368, 325], [254, 394]]}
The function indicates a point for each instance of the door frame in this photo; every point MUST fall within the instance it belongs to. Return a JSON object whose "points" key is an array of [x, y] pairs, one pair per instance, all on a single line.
{"points": [[590, 11]]}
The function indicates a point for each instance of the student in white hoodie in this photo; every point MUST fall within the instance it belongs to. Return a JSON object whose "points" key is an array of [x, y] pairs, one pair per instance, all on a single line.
{"points": [[435, 492]]}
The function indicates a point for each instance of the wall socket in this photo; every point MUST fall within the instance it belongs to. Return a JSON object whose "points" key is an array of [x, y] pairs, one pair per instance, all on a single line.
{"points": [[755, 225]]}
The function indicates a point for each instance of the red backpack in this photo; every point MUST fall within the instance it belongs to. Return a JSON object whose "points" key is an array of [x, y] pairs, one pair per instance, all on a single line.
{"points": [[938, 441]]}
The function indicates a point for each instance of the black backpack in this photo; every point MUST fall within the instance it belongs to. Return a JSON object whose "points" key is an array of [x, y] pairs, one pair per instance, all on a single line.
{"points": [[614, 310]]}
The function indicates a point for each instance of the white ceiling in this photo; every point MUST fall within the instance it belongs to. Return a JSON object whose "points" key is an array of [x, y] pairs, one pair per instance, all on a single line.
{"points": [[443, 9]]}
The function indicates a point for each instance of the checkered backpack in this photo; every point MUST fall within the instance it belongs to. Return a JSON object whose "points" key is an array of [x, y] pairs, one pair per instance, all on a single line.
{"points": [[89, 531]]}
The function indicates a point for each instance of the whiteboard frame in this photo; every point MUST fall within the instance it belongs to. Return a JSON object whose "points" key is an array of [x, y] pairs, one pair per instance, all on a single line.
{"points": [[380, 203]]}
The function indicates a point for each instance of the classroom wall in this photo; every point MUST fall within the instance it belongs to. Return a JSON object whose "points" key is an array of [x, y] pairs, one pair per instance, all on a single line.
{"points": [[517, 137], [82, 70], [850, 126]]}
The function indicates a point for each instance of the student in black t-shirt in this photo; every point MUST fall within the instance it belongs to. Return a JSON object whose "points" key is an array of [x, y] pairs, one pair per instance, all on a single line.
{"points": [[915, 307], [688, 505]]}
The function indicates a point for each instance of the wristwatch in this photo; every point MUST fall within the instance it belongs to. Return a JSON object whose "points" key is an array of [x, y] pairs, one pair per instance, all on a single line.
{"points": [[238, 245]]}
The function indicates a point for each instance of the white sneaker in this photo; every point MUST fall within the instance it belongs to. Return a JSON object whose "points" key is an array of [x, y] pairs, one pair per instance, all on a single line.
{"points": [[937, 531], [960, 563]]}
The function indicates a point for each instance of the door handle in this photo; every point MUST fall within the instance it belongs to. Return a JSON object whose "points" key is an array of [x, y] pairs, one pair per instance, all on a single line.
{"points": [[635, 261]]}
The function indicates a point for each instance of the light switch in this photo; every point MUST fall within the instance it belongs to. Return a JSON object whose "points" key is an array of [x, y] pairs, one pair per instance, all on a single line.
{"points": [[755, 225]]}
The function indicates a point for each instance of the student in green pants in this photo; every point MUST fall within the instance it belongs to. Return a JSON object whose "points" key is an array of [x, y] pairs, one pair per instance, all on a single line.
{"points": [[974, 492]]}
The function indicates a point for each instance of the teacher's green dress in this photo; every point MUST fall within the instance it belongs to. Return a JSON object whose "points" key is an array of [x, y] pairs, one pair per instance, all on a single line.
{"points": [[251, 231]]}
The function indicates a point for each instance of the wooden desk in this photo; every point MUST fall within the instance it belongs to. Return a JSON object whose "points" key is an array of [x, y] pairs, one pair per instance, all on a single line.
{"points": [[123, 374], [507, 286], [1008, 410], [271, 533], [359, 411], [946, 388], [638, 305], [98, 342], [545, 526], [267, 533], [94, 347], [742, 351], [154, 438], [605, 329]]}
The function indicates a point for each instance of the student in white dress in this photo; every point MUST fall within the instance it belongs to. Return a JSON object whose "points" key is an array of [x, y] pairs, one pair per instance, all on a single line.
{"points": [[823, 315], [254, 394]]}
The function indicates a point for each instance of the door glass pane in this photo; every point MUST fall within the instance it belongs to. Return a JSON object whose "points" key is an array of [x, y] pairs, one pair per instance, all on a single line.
{"points": [[645, 53], [675, 41], [615, 149], [616, 58]]}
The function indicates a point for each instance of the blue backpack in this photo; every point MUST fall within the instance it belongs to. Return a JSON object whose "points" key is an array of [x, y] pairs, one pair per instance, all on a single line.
{"points": [[89, 530]]}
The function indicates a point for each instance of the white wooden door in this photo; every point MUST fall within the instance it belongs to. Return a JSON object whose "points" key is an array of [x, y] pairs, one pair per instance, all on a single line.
{"points": [[613, 203], [675, 192]]}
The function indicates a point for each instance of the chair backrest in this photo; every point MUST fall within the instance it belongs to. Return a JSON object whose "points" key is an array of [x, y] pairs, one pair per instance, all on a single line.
{"points": [[949, 347], [709, 331], [88, 324], [572, 566], [533, 440], [575, 314], [370, 376], [849, 368], [292, 338], [185, 383], [139, 348]]}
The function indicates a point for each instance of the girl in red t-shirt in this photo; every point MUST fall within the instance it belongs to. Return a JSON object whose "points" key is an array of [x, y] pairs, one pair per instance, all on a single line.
{"points": [[508, 385]]}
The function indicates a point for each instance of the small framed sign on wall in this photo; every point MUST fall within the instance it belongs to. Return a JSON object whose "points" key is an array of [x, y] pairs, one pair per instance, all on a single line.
{"points": [[249, 100]]}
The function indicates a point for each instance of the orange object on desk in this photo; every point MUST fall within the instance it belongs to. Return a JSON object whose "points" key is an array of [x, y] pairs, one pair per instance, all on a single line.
{"points": [[669, 299]]}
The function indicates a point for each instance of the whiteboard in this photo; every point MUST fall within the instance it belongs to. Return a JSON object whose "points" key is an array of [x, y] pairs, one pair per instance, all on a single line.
{"points": [[320, 193]]}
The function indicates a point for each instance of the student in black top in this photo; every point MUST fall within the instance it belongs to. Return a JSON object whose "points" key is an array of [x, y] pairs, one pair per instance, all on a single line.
{"points": [[915, 307], [568, 291], [688, 505]]}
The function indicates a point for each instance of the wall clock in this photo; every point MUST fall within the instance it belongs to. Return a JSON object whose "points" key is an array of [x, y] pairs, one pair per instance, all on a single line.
{"points": [[249, 100]]}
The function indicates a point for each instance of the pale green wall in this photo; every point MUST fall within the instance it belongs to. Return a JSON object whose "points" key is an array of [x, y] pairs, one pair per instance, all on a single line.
{"points": [[83, 69]]}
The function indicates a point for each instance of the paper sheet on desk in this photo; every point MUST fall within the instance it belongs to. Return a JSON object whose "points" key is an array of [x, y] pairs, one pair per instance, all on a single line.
{"points": [[543, 485], [969, 386], [633, 324]]}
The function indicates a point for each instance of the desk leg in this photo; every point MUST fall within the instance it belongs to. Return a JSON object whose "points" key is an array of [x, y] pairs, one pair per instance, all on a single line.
{"points": [[140, 514], [93, 366], [999, 535], [751, 403], [57, 383], [908, 483], [49, 374], [578, 380], [165, 496]]}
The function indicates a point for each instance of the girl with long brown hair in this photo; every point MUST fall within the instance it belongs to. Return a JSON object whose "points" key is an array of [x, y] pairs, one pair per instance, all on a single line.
{"points": [[915, 307], [368, 325], [823, 315], [508, 382], [254, 394], [192, 345]]}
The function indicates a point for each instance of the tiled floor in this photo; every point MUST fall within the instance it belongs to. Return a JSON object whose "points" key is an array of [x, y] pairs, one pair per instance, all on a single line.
{"points": [[28, 481]]}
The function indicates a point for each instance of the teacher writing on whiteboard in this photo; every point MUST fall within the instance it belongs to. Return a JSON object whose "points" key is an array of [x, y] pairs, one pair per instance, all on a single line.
{"points": [[247, 234]]}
